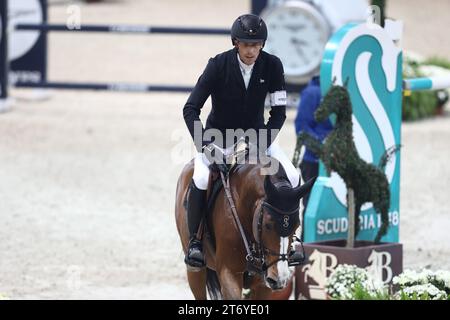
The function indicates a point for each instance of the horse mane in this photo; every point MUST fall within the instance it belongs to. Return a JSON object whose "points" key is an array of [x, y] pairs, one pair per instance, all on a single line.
{"points": [[252, 173]]}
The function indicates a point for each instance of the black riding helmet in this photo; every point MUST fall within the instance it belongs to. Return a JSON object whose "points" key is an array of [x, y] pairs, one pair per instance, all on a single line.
{"points": [[249, 28]]}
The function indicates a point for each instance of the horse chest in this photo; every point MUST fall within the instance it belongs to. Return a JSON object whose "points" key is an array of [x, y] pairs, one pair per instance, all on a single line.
{"points": [[334, 157]]}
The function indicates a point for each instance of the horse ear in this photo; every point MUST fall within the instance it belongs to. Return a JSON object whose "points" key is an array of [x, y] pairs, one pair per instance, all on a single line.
{"points": [[334, 81], [269, 187], [302, 190]]}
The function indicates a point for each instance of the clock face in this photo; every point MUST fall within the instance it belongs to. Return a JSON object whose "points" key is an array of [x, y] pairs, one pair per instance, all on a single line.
{"points": [[297, 35]]}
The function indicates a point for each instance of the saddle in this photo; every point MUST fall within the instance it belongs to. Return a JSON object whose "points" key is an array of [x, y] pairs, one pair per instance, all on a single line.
{"points": [[231, 161]]}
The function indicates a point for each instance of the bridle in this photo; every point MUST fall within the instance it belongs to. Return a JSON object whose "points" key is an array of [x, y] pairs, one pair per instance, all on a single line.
{"points": [[256, 252], [260, 250]]}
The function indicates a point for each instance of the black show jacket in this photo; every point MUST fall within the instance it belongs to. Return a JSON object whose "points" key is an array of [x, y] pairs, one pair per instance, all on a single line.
{"points": [[234, 106]]}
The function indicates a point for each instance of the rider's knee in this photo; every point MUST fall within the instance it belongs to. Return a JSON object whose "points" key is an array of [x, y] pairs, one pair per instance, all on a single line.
{"points": [[201, 182], [201, 173]]}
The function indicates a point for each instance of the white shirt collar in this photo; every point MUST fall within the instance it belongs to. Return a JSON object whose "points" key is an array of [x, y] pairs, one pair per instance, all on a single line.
{"points": [[244, 67]]}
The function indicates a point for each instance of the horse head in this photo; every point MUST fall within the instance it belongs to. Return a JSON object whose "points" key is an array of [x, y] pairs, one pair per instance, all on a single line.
{"points": [[337, 101], [275, 221]]}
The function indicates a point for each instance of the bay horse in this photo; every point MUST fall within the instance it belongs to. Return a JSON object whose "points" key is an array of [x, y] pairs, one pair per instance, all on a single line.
{"points": [[252, 261]]}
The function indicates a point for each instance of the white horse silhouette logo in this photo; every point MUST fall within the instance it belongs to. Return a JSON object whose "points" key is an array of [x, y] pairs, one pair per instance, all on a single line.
{"points": [[322, 265], [376, 266]]}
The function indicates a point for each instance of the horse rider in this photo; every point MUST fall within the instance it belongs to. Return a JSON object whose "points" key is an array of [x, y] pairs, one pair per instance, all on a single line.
{"points": [[238, 81]]}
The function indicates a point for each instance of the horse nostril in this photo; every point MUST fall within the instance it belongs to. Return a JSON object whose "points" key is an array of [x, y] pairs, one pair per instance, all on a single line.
{"points": [[273, 283]]}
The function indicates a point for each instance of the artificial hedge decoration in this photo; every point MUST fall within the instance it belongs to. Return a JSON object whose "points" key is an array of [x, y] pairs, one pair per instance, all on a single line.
{"points": [[367, 181]]}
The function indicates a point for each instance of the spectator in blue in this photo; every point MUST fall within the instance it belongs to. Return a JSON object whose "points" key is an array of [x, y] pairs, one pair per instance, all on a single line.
{"points": [[310, 99]]}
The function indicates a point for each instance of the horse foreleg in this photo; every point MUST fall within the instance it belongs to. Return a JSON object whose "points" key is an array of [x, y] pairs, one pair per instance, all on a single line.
{"points": [[298, 147], [197, 282], [310, 142], [231, 283]]}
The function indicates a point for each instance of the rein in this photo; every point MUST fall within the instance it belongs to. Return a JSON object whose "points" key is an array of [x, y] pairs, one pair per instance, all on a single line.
{"points": [[226, 185]]}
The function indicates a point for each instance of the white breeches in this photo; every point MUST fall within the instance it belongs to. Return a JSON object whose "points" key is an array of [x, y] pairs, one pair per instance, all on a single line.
{"points": [[201, 167]]}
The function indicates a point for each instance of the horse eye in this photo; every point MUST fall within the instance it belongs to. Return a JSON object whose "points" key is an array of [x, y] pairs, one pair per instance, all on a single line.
{"points": [[268, 226]]}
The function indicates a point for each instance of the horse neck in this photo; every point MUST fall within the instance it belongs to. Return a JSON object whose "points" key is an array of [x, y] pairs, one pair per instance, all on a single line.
{"points": [[344, 121], [249, 185]]}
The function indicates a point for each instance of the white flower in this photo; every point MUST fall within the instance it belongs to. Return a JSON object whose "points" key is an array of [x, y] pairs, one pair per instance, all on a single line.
{"points": [[342, 282], [411, 277], [425, 284], [421, 291], [444, 277]]}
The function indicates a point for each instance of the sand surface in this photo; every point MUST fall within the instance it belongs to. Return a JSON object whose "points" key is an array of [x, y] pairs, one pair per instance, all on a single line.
{"points": [[87, 179]]}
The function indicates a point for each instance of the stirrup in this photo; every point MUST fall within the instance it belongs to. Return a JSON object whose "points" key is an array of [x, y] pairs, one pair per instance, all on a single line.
{"points": [[297, 258], [195, 259]]}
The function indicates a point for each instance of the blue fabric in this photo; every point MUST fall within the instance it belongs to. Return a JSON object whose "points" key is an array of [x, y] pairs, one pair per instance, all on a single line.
{"points": [[310, 99]]}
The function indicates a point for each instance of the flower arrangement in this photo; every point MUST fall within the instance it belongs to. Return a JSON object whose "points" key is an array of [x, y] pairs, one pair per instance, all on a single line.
{"points": [[421, 292], [424, 285], [348, 282]]}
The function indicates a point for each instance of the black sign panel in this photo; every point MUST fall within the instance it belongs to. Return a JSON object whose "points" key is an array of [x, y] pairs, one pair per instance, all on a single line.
{"points": [[27, 49], [3, 53]]}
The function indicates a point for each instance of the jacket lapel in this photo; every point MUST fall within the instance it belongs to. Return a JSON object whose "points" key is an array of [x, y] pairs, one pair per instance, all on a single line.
{"points": [[256, 74], [237, 70]]}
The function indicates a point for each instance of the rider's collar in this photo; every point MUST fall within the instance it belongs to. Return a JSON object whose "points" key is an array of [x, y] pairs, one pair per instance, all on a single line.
{"points": [[244, 67]]}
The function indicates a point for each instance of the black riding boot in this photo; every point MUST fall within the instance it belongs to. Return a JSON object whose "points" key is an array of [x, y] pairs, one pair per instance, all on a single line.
{"points": [[195, 259]]}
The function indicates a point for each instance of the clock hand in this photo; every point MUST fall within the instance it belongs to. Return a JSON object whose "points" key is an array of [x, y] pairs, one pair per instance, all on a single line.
{"points": [[298, 41], [298, 47], [295, 28], [301, 52]]}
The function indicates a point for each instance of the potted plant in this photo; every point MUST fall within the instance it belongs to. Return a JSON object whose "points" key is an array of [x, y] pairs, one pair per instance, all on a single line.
{"points": [[365, 182]]}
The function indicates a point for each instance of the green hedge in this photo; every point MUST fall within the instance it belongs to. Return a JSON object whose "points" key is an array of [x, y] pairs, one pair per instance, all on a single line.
{"points": [[437, 61], [421, 104]]}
